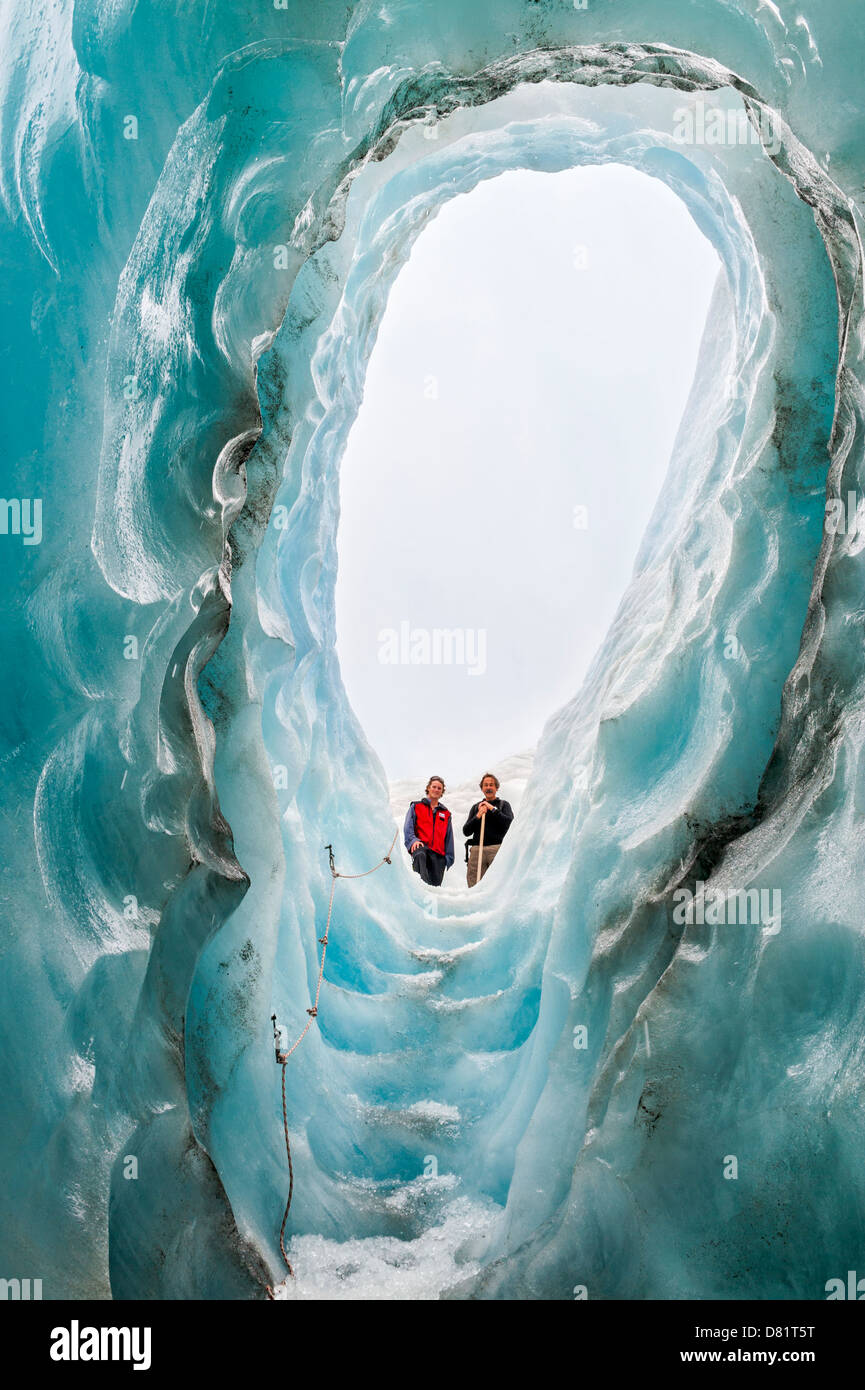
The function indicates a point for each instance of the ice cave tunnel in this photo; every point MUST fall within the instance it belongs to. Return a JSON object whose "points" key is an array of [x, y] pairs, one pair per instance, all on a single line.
{"points": [[450, 1138]]}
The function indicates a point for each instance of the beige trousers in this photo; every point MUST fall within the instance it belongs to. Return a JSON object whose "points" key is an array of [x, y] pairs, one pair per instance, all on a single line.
{"points": [[490, 852]]}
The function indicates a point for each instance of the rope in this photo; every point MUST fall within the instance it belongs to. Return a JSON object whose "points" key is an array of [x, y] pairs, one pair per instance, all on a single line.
{"points": [[282, 1057], [290, 1179]]}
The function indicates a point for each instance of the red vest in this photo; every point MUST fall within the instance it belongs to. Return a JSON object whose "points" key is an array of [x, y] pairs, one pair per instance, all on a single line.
{"points": [[431, 833]]}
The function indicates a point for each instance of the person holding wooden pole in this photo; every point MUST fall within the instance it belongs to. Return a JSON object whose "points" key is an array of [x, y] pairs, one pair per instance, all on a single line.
{"points": [[488, 823]]}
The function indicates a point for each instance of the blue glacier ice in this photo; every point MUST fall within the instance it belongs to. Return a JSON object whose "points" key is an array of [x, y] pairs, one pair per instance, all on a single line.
{"points": [[204, 211]]}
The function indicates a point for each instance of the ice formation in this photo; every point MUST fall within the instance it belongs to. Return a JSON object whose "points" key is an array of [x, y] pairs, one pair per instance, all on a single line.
{"points": [[204, 213]]}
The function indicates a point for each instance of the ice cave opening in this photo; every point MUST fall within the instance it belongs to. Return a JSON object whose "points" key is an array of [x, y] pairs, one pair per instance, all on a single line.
{"points": [[520, 407]]}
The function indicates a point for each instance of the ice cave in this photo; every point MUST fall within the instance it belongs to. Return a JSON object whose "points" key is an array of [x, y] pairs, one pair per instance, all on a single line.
{"points": [[538, 1087]]}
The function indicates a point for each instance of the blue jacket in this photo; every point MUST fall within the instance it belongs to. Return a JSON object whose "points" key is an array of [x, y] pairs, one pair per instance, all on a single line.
{"points": [[410, 833]]}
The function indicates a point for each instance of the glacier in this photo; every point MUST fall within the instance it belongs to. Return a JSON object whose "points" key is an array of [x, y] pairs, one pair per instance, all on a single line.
{"points": [[534, 1088]]}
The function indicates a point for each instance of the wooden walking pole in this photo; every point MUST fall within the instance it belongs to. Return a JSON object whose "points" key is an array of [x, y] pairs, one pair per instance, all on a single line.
{"points": [[480, 851]]}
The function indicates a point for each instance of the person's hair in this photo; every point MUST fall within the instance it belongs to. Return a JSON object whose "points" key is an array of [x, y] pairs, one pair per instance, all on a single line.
{"points": [[484, 778], [436, 778]]}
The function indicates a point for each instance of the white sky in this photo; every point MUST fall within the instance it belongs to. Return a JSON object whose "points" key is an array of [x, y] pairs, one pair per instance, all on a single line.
{"points": [[535, 356]]}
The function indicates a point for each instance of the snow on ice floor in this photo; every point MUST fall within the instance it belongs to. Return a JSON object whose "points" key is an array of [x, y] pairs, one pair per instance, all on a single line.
{"points": [[383, 1267]]}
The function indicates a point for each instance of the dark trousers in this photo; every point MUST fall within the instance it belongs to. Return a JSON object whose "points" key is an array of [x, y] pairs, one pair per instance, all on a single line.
{"points": [[429, 865]]}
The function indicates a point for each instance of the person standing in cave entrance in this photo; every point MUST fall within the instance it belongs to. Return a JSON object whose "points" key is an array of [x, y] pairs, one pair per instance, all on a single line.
{"points": [[497, 816], [429, 834]]}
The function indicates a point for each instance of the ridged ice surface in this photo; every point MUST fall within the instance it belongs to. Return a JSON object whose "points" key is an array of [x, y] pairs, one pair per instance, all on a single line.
{"points": [[190, 312]]}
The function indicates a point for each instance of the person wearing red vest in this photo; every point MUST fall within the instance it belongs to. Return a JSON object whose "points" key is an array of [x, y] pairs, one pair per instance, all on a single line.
{"points": [[429, 834]]}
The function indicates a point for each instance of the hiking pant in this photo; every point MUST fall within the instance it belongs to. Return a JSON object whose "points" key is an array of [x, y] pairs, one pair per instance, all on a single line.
{"points": [[429, 865], [490, 852]]}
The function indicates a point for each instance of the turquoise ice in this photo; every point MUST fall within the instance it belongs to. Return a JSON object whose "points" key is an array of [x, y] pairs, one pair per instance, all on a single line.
{"points": [[541, 1087]]}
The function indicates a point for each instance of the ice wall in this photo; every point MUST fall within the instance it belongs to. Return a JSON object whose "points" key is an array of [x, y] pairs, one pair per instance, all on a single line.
{"points": [[194, 276]]}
